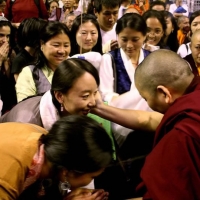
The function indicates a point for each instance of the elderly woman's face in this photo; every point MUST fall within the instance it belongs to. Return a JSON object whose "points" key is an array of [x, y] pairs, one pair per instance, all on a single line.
{"points": [[80, 98], [56, 50]]}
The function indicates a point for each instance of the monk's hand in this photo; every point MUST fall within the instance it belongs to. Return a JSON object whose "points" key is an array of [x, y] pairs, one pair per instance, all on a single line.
{"points": [[98, 103], [113, 45], [87, 194]]}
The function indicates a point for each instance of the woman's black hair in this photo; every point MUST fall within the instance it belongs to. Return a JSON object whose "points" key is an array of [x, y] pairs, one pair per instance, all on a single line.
{"points": [[90, 9], [67, 73], [28, 32], [133, 21], [50, 30], [99, 4], [78, 143], [75, 48], [193, 16], [12, 43], [158, 15], [157, 2], [172, 41]]}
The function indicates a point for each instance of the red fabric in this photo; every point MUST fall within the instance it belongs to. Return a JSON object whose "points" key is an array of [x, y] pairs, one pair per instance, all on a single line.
{"points": [[22, 9], [172, 169]]}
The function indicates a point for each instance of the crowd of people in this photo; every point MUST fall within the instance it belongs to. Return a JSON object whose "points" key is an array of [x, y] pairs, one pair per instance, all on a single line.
{"points": [[99, 100]]}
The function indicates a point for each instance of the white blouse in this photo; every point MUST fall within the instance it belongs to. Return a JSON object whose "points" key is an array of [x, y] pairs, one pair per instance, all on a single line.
{"points": [[106, 74], [128, 100]]}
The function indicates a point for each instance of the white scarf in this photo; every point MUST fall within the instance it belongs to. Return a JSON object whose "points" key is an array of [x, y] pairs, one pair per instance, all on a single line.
{"points": [[48, 112]]}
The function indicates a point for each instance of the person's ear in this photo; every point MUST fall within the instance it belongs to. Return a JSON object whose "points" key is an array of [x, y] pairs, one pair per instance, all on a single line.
{"points": [[95, 13], [165, 94], [59, 96]]}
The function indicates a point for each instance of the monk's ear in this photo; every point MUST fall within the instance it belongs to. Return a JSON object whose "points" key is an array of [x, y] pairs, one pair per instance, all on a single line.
{"points": [[59, 96], [165, 94]]}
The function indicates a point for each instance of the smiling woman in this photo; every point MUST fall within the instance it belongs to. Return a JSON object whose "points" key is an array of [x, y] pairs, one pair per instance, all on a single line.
{"points": [[86, 35], [54, 48], [117, 68], [156, 28], [68, 95]]}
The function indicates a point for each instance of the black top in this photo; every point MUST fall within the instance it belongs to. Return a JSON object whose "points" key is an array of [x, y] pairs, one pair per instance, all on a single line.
{"points": [[22, 59], [7, 92]]}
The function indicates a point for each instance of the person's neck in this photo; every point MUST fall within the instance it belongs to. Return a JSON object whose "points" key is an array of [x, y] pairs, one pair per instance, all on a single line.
{"points": [[46, 170], [30, 50], [52, 67], [70, 9], [165, 39], [84, 51], [105, 29], [135, 58]]}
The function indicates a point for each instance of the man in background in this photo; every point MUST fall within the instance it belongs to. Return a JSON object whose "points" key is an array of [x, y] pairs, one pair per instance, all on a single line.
{"points": [[106, 12]]}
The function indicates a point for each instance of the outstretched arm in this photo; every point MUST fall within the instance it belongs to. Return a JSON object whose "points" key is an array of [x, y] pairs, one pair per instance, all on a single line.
{"points": [[134, 119]]}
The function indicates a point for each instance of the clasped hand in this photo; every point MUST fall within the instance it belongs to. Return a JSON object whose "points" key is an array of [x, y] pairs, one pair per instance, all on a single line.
{"points": [[87, 194]]}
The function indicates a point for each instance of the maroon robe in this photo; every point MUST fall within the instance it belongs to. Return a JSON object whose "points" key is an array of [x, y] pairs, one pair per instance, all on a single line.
{"points": [[172, 170]]}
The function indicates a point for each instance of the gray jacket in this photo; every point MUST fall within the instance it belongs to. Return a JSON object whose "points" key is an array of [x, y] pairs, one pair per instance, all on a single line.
{"points": [[26, 111]]}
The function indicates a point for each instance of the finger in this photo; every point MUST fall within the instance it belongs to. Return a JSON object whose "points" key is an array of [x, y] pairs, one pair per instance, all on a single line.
{"points": [[114, 42], [99, 194]]}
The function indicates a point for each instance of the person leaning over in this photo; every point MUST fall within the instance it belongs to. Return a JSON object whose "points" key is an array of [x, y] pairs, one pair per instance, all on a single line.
{"points": [[37, 165]]}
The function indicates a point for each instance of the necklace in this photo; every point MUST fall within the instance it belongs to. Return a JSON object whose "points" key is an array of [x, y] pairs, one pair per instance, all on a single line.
{"points": [[134, 63]]}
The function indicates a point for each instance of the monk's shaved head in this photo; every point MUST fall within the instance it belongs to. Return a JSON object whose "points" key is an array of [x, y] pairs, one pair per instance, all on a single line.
{"points": [[166, 68]]}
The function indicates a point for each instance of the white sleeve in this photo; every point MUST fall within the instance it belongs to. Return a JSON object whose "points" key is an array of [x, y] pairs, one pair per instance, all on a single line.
{"points": [[186, 8], [106, 78], [182, 51], [172, 8]]}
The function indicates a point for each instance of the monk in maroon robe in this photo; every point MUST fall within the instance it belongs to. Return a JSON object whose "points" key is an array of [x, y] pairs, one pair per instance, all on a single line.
{"points": [[172, 170]]}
